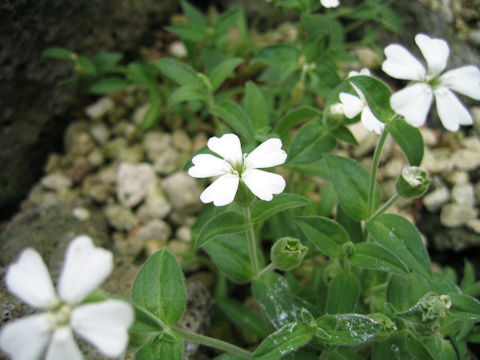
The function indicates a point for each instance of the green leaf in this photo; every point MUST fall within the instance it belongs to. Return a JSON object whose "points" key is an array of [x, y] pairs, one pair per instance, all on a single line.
{"points": [[230, 255], [377, 95], [59, 53], [222, 71], [194, 16], [327, 201], [351, 182], [468, 279], [278, 55], [465, 307], [159, 287], [225, 223], [325, 233], [226, 21], [401, 346], [353, 227], [189, 32], [273, 294], [85, 65], [343, 294], [243, 317], [187, 93], [264, 209], [143, 329], [282, 342], [295, 117], [388, 18], [310, 143], [109, 85], [106, 61], [344, 354], [153, 113], [402, 238], [375, 257], [403, 292], [344, 134], [236, 118], [140, 73], [346, 329], [162, 346], [409, 139], [176, 71], [256, 106]]}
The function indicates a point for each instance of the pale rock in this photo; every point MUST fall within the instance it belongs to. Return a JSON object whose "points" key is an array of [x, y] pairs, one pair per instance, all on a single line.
{"points": [[156, 203], [368, 57], [181, 140], [155, 143], [474, 36], [179, 249], [436, 161], [96, 158], [131, 154], [455, 215], [183, 192], [139, 113], [434, 200], [112, 148], [466, 159], [108, 174], [133, 182], [180, 219], [36, 194], [54, 163], [394, 167], [56, 181], [125, 129], [457, 177], [94, 188], [474, 224], [178, 49], [99, 108], [67, 195], [429, 136], [81, 213], [100, 133], [120, 218], [155, 229], [463, 194], [199, 141], [477, 190], [472, 143], [152, 246], [78, 140], [184, 233], [167, 161]]}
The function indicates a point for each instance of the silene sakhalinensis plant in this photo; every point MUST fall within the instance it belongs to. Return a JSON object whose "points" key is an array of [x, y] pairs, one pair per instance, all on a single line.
{"points": [[366, 289]]}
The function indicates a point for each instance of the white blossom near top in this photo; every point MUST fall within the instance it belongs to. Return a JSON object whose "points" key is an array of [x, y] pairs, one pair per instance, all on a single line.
{"points": [[330, 3], [49, 334], [353, 105], [236, 166], [414, 101]]}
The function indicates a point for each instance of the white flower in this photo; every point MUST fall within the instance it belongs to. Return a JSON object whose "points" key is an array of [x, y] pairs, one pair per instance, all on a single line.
{"points": [[414, 102], [49, 334], [353, 105], [330, 3], [235, 167]]}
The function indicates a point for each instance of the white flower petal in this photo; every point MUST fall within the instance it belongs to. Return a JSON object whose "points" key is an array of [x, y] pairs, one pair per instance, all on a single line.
{"points": [[85, 268], [222, 191], [451, 111], [413, 103], [206, 165], [228, 146], [330, 3], [26, 338], [267, 154], [370, 122], [104, 324], [464, 80], [401, 64], [263, 184], [28, 278], [364, 71], [352, 105], [63, 346], [435, 52]]}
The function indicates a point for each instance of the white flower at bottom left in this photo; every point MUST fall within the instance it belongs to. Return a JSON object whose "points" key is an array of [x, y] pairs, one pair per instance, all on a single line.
{"points": [[49, 334]]}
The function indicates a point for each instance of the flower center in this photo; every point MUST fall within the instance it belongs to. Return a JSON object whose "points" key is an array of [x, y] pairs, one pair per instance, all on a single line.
{"points": [[237, 168], [60, 316]]}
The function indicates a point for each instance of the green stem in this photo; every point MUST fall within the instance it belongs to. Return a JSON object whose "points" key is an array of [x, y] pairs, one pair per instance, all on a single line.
{"points": [[215, 343], [389, 203], [266, 269], [252, 245], [152, 318], [373, 173]]}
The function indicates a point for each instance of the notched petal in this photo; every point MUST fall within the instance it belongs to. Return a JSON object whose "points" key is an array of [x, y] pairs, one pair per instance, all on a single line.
{"points": [[222, 191], [267, 154], [227, 146], [413, 103], [401, 64], [206, 165], [263, 184], [435, 52], [451, 111]]}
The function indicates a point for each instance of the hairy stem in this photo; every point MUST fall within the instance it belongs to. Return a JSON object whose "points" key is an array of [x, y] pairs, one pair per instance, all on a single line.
{"points": [[252, 244], [373, 173], [389, 203]]}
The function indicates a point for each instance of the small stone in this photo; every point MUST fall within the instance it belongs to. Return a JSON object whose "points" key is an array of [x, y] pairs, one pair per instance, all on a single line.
{"points": [[471, 143], [180, 219], [178, 248], [134, 181], [434, 200], [96, 158], [199, 141], [184, 233], [100, 133], [152, 246], [474, 224], [125, 129], [437, 160], [95, 189], [155, 229], [183, 192], [465, 159], [67, 195], [454, 215], [394, 167], [368, 57], [99, 108], [457, 177], [366, 139], [156, 203], [54, 163], [81, 213], [167, 161], [474, 37], [181, 140], [120, 218], [131, 154], [463, 194], [113, 147], [80, 168], [78, 140], [429, 136], [178, 49], [139, 113], [477, 190], [56, 181], [36, 194], [108, 174], [155, 143]]}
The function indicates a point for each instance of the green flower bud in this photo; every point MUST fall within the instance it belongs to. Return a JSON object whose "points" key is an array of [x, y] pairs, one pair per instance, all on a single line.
{"points": [[413, 182], [244, 197], [388, 326], [297, 92], [349, 249], [204, 81], [434, 307], [287, 253]]}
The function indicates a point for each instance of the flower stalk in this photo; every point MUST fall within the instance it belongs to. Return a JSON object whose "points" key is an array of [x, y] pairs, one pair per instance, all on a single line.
{"points": [[252, 244]]}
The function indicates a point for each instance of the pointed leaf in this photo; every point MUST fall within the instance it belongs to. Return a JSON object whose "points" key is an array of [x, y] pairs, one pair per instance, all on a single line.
{"points": [[189, 32], [278, 55], [409, 139], [59, 53], [187, 93], [264, 209], [109, 85], [222, 224], [236, 118], [162, 346], [194, 16], [176, 71], [325, 233], [159, 287], [222, 71], [282, 342], [346, 329], [375, 257], [343, 294], [296, 117], [465, 307], [256, 106]]}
